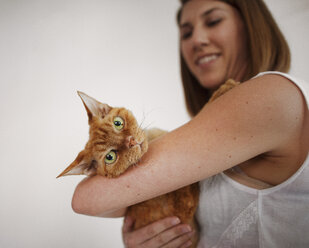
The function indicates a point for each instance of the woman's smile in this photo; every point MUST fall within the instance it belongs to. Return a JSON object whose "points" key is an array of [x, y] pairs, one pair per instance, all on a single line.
{"points": [[204, 61]]}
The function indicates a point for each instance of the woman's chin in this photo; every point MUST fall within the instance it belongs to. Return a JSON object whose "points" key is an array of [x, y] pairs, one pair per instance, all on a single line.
{"points": [[211, 83]]}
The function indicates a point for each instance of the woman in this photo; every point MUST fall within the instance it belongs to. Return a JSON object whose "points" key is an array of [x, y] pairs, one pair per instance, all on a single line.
{"points": [[249, 148]]}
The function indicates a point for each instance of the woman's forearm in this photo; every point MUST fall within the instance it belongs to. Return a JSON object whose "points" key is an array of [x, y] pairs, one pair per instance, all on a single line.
{"points": [[99, 195], [245, 122]]}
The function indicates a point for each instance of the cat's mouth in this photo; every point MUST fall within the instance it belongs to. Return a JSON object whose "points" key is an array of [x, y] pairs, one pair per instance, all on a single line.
{"points": [[140, 145], [132, 142]]}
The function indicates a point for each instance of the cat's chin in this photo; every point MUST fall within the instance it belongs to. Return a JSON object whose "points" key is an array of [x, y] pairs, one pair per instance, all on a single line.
{"points": [[142, 149], [142, 146]]}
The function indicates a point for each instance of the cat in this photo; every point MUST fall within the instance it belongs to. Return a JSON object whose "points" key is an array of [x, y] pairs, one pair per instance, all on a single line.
{"points": [[116, 142]]}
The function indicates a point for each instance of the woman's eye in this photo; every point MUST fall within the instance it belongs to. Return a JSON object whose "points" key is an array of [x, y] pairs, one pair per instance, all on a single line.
{"points": [[110, 157], [185, 35], [213, 23], [118, 123]]}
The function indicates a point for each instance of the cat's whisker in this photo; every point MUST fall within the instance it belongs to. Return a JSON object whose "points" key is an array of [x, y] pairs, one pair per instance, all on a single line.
{"points": [[144, 128], [142, 122], [148, 125], [140, 125], [144, 117]]}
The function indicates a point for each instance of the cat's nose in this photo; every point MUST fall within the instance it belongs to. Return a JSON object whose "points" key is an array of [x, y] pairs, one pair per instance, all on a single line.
{"points": [[130, 142]]}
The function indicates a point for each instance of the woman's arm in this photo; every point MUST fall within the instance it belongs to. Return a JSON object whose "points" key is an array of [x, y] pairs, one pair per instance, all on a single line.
{"points": [[259, 116]]}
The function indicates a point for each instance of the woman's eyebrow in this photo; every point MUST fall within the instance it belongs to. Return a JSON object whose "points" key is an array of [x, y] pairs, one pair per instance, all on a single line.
{"points": [[208, 12], [204, 14]]}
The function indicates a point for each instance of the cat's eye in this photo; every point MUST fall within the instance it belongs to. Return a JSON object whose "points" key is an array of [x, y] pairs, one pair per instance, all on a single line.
{"points": [[110, 157], [118, 123]]}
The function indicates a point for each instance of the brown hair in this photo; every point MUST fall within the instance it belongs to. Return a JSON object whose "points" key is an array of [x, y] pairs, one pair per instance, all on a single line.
{"points": [[268, 50]]}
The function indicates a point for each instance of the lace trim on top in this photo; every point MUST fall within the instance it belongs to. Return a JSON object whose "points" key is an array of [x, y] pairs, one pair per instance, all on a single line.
{"points": [[236, 230]]}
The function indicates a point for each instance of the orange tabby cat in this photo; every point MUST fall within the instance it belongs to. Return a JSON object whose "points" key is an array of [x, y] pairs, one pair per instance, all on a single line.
{"points": [[117, 142]]}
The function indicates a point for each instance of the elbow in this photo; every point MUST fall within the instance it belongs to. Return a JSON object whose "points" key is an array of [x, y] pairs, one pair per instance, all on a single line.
{"points": [[81, 202], [89, 199], [85, 199], [77, 203], [76, 206], [80, 206]]}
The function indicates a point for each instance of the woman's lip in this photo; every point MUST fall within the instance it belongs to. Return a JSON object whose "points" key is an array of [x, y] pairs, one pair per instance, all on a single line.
{"points": [[205, 59]]}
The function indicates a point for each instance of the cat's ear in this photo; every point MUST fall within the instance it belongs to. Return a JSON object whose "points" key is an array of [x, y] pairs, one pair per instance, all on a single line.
{"points": [[81, 166], [94, 107]]}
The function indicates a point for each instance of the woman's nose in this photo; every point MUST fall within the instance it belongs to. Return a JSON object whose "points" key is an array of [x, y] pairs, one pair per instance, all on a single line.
{"points": [[199, 39]]}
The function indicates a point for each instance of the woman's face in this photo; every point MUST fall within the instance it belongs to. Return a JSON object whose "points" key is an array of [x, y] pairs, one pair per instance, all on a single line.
{"points": [[213, 42]]}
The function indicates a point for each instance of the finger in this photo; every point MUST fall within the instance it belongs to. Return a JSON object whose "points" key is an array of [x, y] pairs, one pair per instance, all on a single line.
{"points": [[173, 237], [126, 232], [127, 224], [183, 241], [187, 244], [148, 232]]}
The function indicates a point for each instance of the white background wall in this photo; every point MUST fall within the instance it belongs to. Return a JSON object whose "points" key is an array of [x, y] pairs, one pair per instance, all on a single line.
{"points": [[124, 53]]}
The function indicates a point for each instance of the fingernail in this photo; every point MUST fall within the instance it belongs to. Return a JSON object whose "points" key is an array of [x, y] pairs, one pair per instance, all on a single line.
{"points": [[175, 221], [191, 234], [186, 229], [188, 244]]}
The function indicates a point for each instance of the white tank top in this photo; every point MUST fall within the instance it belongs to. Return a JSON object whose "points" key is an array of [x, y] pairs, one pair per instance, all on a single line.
{"points": [[231, 214]]}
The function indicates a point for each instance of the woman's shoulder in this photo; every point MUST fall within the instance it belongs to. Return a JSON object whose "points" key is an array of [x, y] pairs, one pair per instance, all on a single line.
{"points": [[286, 89], [282, 95], [281, 78]]}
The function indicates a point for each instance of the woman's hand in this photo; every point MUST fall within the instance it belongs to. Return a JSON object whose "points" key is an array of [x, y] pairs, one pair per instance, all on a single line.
{"points": [[165, 233]]}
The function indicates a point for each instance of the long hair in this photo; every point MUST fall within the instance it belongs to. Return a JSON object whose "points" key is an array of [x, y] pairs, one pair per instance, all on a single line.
{"points": [[267, 48]]}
